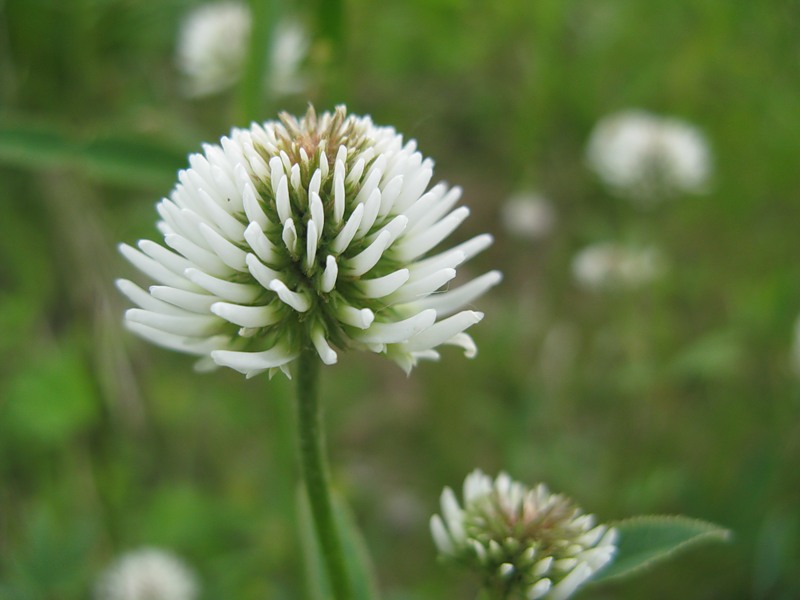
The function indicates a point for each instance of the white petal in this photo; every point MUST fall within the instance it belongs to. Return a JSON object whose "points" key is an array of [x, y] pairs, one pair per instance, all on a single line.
{"points": [[299, 302], [260, 244], [329, 275], [350, 315], [231, 255], [188, 324], [253, 363], [262, 273], [440, 208], [326, 353], [410, 247], [144, 300], [371, 207], [543, 566], [445, 260], [313, 186], [389, 194], [539, 589], [200, 257], [175, 263], [154, 269], [396, 226], [282, 202], [440, 536], [418, 288], [567, 586], [247, 316], [426, 204], [191, 301], [452, 300], [290, 236], [465, 342], [241, 293], [317, 212], [453, 516], [415, 183], [338, 189], [311, 245], [345, 236], [397, 331], [442, 331], [252, 209], [362, 262], [179, 343], [383, 286], [229, 226]]}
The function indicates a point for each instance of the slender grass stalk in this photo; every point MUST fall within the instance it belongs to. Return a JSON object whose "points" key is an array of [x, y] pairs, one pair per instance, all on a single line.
{"points": [[315, 473], [253, 92]]}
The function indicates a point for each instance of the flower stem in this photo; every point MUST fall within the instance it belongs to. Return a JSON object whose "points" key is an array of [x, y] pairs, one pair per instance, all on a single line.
{"points": [[315, 473]]}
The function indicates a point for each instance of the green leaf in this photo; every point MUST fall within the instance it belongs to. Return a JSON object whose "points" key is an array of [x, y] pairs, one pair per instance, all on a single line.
{"points": [[645, 541], [51, 399], [123, 158], [357, 561]]}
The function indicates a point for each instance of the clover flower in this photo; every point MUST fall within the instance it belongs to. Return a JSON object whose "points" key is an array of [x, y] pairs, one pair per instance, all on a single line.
{"points": [[646, 158], [212, 49], [305, 233], [609, 265], [528, 215], [523, 541], [147, 574]]}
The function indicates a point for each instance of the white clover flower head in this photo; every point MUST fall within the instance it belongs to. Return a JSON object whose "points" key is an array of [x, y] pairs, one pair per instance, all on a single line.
{"points": [[212, 49], [147, 574], [289, 48], [647, 158], [528, 215], [521, 540], [610, 265], [212, 46], [310, 233]]}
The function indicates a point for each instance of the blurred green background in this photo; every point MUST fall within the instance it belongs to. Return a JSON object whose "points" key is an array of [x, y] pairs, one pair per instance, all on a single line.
{"points": [[679, 397]]}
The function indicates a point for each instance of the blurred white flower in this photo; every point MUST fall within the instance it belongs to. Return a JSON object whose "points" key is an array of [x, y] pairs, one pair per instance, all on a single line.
{"points": [[646, 158], [147, 574], [521, 540], [528, 215], [609, 265], [213, 43], [311, 233]]}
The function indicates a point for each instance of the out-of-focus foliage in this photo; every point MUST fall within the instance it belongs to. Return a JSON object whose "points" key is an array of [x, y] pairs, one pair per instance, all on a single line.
{"points": [[677, 397]]}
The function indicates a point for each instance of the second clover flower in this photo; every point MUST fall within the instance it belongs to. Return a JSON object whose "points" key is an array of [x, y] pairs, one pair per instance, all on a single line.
{"points": [[306, 232], [524, 542]]}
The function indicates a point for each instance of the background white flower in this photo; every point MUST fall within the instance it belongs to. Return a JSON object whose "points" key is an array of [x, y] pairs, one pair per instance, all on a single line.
{"points": [[520, 539], [304, 233], [610, 265], [528, 215], [212, 49], [147, 574], [646, 157]]}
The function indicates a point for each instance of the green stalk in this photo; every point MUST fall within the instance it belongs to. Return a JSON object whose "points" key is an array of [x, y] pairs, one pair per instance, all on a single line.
{"points": [[315, 473], [253, 92]]}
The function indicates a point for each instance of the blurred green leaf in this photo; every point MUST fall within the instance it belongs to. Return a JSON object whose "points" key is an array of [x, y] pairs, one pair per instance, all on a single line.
{"points": [[357, 561], [645, 541], [122, 158], [51, 561], [51, 399], [717, 355]]}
